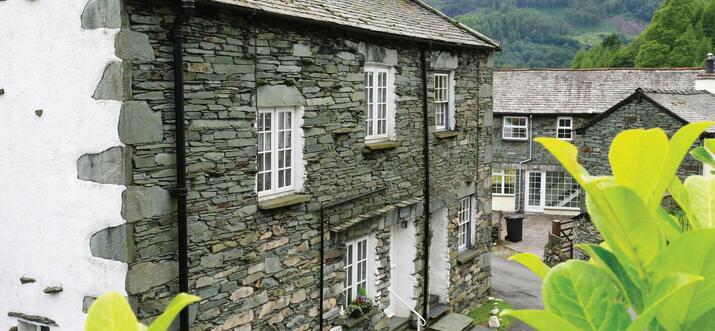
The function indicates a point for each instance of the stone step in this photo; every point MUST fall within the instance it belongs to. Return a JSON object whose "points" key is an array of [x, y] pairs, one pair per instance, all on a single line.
{"points": [[452, 322], [399, 323], [433, 299], [437, 311]]}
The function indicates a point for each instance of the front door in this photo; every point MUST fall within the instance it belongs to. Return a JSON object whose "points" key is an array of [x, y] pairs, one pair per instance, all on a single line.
{"points": [[403, 245], [535, 191]]}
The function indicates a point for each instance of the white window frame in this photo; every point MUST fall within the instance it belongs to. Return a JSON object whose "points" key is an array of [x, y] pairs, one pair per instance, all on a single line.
{"points": [[506, 125], [465, 224], [373, 132], [296, 150], [23, 325], [354, 274], [503, 174], [564, 129], [444, 101], [542, 185]]}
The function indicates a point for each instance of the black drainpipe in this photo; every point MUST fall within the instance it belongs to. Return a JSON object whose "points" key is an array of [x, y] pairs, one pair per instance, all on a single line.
{"points": [[426, 189], [183, 15]]}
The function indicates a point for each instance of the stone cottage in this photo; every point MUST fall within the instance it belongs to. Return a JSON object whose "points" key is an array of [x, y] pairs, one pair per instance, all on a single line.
{"points": [[554, 103], [305, 152], [644, 109]]}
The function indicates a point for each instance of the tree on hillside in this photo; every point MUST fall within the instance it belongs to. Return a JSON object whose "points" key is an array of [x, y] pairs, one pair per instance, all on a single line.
{"points": [[680, 34]]}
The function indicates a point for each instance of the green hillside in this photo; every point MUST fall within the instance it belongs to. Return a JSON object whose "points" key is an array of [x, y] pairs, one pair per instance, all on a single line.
{"points": [[549, 33], [680, 35]]}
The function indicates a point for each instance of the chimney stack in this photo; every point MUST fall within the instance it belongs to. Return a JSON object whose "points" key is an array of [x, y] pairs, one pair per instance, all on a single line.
{"points": [[706, 81]]}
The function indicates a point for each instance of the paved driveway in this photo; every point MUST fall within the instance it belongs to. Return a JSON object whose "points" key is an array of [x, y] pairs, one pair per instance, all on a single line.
{"points": [[515, 284]]}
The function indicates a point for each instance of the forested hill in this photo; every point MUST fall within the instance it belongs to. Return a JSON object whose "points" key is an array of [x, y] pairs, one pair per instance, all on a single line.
{"points": [[548, 33], [680, 34]]}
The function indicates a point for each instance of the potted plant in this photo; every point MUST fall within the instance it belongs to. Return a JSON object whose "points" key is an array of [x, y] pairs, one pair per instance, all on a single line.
{"points": [[360, 306]]}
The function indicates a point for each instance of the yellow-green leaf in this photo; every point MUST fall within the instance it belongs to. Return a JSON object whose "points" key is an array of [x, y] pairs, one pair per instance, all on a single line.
{"points": [[701, 199], [581, 293], [111, 312], [541, 320], [678, 148], [691, 253], [665, 289], [164, 320], [627, 226], [567, 154], [637, 157], [533, 263]]}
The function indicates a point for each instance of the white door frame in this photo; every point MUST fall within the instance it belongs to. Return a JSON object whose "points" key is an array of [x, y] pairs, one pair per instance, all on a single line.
{"points": [[527, 189]]}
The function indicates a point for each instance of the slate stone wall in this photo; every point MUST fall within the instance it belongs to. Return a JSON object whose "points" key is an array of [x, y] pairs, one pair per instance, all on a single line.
{"points": [[508, 153], [595, 142], [260, 268]]}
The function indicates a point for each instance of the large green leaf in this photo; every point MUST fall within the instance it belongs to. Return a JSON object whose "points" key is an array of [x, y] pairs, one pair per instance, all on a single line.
{"points": [[664, 290], [582, 294], [678, 148], [691, 253], [567, 154], [164, 320], [533, 263], [627, 226], [701, 195], [638, 157], [111, 312], [703, 155], [621, 278], [541, 320]]}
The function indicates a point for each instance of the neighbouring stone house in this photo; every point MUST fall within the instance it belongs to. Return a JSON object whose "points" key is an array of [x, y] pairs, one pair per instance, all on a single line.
{"points": [[644, 109], [296, 113], [554, 103]]}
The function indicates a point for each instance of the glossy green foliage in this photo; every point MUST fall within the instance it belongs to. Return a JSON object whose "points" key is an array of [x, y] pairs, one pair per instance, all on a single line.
{"points": [[111, 312], [650, 273]]}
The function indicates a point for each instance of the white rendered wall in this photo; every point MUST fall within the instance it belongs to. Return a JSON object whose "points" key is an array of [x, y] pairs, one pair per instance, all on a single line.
{"points": [[503, 203], [439, 268], [403, 281], [705, 83], [47, 215]]}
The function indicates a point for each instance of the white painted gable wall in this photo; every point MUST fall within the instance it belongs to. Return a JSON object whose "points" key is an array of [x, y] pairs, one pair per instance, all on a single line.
{"points": [[47, 215]]}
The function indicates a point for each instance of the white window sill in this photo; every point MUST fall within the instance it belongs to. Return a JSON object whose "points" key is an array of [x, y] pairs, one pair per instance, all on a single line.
{"points": [[504, 195], [562, 208], [515, 139]]}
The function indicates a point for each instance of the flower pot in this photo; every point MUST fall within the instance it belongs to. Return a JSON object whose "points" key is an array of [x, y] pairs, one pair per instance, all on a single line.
{"points": [[356, 313]]}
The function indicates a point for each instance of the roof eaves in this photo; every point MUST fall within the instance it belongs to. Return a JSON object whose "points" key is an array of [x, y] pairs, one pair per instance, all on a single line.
{"points": [[257, 10], [638, 93], [496, 44]]}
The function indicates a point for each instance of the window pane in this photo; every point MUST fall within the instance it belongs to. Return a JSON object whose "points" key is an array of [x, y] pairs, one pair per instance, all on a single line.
{"points": [[535, 189], [562, 191]]}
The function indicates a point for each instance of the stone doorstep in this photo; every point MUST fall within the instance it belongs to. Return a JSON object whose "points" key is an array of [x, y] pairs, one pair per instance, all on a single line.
{"points": [[452, 322], [283, 201]]}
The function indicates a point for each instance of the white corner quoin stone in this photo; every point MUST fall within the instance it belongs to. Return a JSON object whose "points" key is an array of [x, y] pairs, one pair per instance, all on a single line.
{"points": [[47, 214]]}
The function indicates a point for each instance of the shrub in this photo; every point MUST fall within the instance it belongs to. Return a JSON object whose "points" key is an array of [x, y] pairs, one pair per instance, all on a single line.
{"points": [[650, 272], [111, 312]]}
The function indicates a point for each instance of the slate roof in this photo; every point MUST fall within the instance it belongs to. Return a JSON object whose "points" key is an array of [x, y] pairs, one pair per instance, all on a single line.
{"points": [[689, 105], [573, 91], [406, 18]]}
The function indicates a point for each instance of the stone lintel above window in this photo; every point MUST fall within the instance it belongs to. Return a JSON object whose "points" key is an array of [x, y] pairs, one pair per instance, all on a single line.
{"points": [[283, 201], [381, 145]]}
